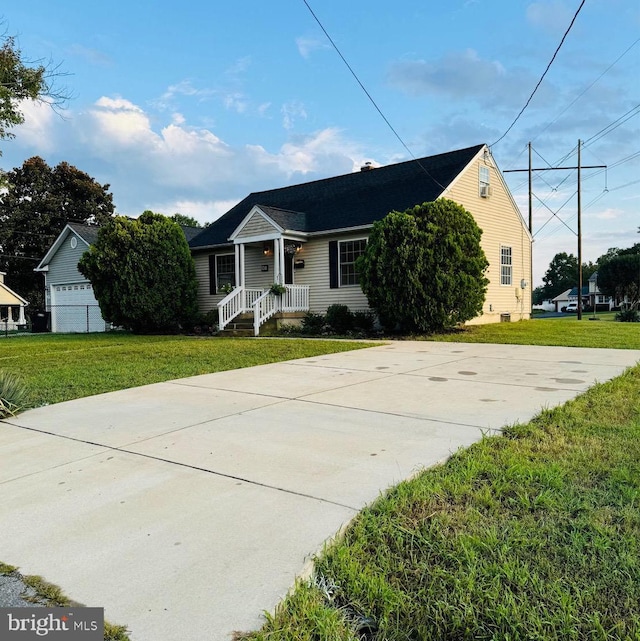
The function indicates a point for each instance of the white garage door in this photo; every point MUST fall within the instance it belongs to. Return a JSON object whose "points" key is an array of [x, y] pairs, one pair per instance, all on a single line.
{"points": [[75, 309]]}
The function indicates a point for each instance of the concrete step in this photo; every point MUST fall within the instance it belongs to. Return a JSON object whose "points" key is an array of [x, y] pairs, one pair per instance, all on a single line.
{"points": [[230, 331]]}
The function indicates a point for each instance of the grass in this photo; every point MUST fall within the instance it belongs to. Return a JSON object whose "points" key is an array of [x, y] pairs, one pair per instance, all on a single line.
{"points": [[52, 596], [567, 331], [532, 535], [58, 367]]}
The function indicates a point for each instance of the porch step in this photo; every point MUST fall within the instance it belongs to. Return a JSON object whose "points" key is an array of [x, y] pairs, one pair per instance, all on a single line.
{"points": [[228, 331]]}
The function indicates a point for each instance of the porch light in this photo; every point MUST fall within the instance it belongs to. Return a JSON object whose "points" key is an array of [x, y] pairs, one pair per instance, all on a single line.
{"points": [[266, 249], [292, 248]]}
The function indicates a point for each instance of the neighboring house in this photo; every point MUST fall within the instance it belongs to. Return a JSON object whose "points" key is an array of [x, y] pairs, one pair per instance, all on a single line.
{"points": [[596, 297], [591, 296], [308, 237], [12, 307], [562, 300], [68, 294]]}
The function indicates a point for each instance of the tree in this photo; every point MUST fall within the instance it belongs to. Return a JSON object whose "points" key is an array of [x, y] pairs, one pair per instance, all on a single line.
{"points": [[19, 82], [619, 276], [561, 275], [143, 274], [185, 221], [423, 269], [38, 202]]}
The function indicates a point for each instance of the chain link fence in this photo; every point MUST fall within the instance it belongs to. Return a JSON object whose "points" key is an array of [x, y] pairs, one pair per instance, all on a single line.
{"points": [[75, 319]]}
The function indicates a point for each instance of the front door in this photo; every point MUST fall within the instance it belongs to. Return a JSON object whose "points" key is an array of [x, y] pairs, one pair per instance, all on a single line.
{"points": [[288, 269]]}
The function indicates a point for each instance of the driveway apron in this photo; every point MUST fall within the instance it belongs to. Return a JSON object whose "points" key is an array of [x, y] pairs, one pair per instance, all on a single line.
{"points": [[188, 508]]}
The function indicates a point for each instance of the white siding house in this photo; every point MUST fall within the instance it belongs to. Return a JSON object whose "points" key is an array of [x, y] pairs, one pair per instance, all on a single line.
{"points": [[306, 237]]}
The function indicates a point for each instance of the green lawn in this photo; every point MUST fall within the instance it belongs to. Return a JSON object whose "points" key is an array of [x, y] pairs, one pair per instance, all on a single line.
{"points": [[534, 535], [567, 331], [57, 367]]}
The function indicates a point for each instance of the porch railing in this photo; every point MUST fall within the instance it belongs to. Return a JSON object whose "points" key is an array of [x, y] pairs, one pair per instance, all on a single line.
{"points": [[236, 302], [296, 298], [263, 303]]}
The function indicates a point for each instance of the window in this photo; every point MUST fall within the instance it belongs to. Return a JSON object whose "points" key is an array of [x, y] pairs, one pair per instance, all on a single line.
{"points": [[222, 271], [349, 252], [506, 265], [485, 189]]}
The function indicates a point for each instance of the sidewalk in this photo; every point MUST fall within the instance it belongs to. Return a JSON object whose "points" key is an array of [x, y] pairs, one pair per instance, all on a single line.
{"points": [[187, 508]]}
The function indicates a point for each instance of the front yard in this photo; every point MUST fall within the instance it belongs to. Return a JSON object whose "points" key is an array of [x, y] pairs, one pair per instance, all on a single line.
{"points": [[531, 535]]}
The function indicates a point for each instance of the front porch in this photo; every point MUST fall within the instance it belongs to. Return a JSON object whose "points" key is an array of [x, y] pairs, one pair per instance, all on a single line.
{"points": [[262, 304]]}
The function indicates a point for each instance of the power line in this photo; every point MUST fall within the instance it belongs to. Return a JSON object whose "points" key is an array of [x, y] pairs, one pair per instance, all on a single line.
{"points": [[566, 33], [573, 102], [373, 102]]}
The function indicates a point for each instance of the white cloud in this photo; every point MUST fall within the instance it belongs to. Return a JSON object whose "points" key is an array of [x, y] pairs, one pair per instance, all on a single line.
{"points": [[204, 211], [608, 214], [292, 111], [307, 45], [37, 130], [235, 101], [176, 167], [464, 75]]}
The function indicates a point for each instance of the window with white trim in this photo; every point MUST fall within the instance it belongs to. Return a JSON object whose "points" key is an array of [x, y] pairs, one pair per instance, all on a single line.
{"points": [[225, 271], [349, 251], [484, 182], [506, 265]]}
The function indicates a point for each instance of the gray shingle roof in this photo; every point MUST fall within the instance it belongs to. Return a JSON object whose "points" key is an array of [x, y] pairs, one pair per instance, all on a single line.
{"points": [[88, 232], [350, 200]]}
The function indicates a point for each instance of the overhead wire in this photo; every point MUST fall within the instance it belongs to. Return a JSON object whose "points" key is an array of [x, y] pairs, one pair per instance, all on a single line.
{"points": [[369, 96], [566, 33], [573, 102]]}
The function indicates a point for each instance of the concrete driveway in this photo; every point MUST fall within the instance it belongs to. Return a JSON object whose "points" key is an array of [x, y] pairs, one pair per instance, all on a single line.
{"points": [[187, 508]]}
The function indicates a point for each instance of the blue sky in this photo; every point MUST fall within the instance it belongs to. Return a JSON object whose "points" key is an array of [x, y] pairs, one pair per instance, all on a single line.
{"points": [[188, 107]]}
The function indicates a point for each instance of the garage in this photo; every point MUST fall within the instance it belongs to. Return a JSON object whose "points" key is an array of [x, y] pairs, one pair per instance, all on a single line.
{"points": [[75, 309]]}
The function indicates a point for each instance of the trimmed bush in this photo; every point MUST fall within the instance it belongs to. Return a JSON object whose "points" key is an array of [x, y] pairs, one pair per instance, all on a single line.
{"points": [[364, 321], [339, 319], [313, 323]]}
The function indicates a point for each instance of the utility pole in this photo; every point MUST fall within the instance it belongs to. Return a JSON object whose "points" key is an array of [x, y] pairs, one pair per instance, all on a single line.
{"points": [[579, 235], [579, 167]]}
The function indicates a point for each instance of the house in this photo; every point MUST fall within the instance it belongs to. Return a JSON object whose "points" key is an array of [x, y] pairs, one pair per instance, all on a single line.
{"points": [[596, 299], [562, 300], [307, 237], [68, 294], [591, 296], [12, 307]]}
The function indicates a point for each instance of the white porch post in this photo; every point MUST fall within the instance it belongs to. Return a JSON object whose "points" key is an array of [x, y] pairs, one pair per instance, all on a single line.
{"points": [[276, 260], [280, 274], [21, 318], [236, 251], [243, 283]]}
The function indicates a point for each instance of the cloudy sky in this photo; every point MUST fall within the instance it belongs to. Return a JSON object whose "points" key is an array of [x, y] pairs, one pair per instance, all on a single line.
{"points": [[188, 107]]}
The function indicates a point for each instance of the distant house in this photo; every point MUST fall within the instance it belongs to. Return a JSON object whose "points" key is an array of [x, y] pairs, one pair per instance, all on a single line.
{"points": [[307, 237], [562, 300], [12, 307], [595, 298], [68, 294], [591, 296]]}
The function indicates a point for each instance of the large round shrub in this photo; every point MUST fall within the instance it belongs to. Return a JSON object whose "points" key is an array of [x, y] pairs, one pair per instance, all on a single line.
{"points": [[423, 269], [143, 274]]}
